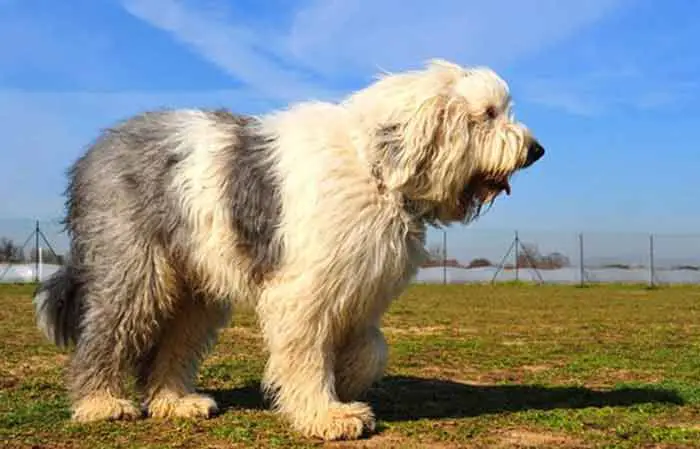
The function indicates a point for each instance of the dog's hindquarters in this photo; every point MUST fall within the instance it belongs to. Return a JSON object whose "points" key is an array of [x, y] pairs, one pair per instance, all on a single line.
{"points": [[156, 259], [120, 219]]}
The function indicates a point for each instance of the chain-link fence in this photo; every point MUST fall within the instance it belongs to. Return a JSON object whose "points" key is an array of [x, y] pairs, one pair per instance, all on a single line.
{"points": [[32, 250], [476, 255]]}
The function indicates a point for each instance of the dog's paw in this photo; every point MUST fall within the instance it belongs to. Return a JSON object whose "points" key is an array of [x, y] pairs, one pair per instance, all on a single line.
{"points": [[190, 406], [104, 408], [341, 421]]}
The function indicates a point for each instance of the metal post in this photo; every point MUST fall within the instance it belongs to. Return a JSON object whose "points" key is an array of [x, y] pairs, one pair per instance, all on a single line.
{"points": [[444, 257], [41, 263], [580, 262], [36, 253], [651, 260], [502, 263], [517, 246]]}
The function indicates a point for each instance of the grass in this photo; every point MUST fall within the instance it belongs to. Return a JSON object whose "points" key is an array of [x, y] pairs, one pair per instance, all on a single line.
{"points": [[471, 366]]}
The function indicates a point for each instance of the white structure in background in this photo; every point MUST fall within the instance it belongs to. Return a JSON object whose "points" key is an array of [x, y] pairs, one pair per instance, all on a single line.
{"points": [[25, 272]]}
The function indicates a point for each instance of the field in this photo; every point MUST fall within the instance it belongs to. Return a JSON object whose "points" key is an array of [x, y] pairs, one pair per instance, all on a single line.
{"points": [[475, 366]]}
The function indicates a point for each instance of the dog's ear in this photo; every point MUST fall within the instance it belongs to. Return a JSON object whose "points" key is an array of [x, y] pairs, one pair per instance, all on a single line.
{"points": [[407, 148], [410, 150]]}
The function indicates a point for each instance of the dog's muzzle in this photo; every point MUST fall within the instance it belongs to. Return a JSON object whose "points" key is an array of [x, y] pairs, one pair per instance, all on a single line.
{"points": [[535, 151]]}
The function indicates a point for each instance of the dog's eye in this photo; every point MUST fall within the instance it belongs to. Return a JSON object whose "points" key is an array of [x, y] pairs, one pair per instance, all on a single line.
{"points": [[491, 112]]}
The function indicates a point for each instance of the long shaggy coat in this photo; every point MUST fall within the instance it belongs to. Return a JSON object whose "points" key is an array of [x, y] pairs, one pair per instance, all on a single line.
{"points": [[315, 215]]}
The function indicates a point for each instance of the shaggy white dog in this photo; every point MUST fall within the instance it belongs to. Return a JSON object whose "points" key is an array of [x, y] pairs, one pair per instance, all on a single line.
{"points": [[315, 214]]}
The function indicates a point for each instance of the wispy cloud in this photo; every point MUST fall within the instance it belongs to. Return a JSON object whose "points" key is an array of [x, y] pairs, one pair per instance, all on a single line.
{"points": [[561, 99], [336, 36], [601, 93], [236, 49], [327, 42], [643, 60]]}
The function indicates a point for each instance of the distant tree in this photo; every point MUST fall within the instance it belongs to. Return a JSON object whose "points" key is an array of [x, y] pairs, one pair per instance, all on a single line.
{"points": [[555, 260], [6, 249], [9, 251], [435, 252], [530, 257]]}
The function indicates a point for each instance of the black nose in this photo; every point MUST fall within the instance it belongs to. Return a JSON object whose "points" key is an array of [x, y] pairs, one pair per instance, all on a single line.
{"points": [[535, 151]]}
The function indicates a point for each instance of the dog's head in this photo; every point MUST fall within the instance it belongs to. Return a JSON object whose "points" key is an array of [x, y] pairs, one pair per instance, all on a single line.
{"points": [[444, 137]]}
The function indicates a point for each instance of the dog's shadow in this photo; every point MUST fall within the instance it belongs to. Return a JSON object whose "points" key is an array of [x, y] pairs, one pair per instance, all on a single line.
{"points": [[399, 398]]}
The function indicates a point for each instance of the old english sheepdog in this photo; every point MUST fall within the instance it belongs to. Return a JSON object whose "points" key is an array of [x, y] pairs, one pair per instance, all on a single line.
{"points": [[314, 215]]}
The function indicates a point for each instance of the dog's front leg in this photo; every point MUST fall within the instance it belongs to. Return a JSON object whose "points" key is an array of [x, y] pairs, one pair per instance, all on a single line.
{"points": [[360, 363], [299, 376]]}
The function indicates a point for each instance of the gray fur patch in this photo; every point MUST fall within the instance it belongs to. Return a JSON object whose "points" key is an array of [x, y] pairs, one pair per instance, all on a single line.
{"points": [[125, 175], [254, 192]]}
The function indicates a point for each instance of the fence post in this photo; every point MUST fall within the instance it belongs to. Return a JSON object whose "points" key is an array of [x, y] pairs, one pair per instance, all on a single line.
{"points": [[517, 257], [444, 257], [580, 261], [651, 260], [36, 251]]}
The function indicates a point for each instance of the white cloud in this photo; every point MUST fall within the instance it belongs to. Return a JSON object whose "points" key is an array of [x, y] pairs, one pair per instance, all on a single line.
{"points": [[234, 48], [339, 40], [325, 43], [605, 93], [336, 36], [567, 101]]}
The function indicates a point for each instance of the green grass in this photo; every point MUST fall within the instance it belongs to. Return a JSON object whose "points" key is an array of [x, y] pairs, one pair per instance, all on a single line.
{"points": [[471, 366]]}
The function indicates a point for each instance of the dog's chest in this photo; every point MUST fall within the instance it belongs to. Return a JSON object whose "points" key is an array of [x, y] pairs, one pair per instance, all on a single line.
{"points": [[378, 270]]}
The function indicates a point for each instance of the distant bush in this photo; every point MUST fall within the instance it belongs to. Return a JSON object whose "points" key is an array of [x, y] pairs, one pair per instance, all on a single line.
{"points": [[480, 262], [686, 268], [620, 266], [439, 263], [528, 257]]}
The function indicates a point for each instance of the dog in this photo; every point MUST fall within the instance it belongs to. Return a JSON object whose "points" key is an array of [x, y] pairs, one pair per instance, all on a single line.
{"points": [[314, 215]]}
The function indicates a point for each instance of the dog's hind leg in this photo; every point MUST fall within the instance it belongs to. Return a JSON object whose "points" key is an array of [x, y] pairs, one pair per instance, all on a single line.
{"points": [[299, 376], [167, 374], [360, 363], [98, 369], [125, 305]]}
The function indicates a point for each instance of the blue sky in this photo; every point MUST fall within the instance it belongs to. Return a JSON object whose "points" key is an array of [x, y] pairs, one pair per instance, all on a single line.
{"points": [[609, 86]]}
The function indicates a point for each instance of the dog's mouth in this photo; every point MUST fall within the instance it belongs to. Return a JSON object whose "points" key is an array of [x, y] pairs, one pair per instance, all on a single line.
{"points": [[481, 189], [485, 187], [492, 187]]}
